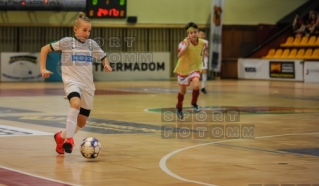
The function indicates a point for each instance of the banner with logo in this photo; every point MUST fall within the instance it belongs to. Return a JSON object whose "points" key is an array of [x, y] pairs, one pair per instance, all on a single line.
{"points": [[135, 66], [290, 70], [282, 69], [311, 71], [217, 11], [20, 67]]}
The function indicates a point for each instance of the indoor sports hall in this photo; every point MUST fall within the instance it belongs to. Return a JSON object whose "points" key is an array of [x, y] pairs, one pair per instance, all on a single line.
{"points": [[258, 123]]}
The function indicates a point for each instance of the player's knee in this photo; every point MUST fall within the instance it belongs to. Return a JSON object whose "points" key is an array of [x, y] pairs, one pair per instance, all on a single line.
{"points": [[85, 112], [74, 94], [75, 100], [183, 92], [75, 104], [195, 86]]}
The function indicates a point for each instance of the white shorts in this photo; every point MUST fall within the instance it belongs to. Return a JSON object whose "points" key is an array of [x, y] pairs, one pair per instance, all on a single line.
{"points": [[86, 95], [205, 63], [186, 80]]}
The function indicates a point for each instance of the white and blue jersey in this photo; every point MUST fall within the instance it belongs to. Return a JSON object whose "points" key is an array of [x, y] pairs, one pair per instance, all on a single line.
{"points": [[76, 61]]}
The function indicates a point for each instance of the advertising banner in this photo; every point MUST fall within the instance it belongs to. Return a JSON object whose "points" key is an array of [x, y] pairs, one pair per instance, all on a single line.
{"points": [[135, 66], [311, 71], [20, 67], [217, 12], [287, 70], [282, 69], [126, 66]]}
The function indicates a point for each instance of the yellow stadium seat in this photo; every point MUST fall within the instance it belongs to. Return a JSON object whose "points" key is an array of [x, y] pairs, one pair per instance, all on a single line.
{"points": [[297, 41], [300, 53], [288, 42], [292, 53], [317, 42], [308, 53], [304, 41], [270, 54], [285, 53], [278, 53], [311, 41], [315, 54]]}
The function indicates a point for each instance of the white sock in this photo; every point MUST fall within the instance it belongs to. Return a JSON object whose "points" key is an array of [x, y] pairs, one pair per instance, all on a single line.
{"points": [[204, 79], [71, 122], [77, 129], [63, 134]]}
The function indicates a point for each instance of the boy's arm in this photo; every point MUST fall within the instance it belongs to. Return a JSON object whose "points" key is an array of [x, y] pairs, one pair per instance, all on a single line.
{"points": [[184, 47], [43, 58]]}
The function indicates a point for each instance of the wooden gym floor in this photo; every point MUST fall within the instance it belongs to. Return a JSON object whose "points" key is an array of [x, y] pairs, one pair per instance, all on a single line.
{"points": [[141, 145]]}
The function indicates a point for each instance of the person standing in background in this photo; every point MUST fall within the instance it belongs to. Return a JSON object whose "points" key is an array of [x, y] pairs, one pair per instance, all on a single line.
{"points": [[202, 34]]}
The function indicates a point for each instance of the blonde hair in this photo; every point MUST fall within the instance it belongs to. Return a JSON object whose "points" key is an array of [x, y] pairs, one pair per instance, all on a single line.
{"points": [[81, 17]]}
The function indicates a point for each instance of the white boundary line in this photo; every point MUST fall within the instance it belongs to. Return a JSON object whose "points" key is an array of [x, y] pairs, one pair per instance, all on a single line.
{"points": [[32, 175], [163, 161], [19, 129]]}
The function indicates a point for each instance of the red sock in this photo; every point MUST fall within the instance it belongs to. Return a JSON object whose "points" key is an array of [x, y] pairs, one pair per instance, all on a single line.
{"points": [[180, 99], [195, 95]]}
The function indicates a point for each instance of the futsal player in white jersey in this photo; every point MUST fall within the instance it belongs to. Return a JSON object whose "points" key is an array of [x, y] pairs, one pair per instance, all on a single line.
{"points": [[78, 53], [202, 34]]}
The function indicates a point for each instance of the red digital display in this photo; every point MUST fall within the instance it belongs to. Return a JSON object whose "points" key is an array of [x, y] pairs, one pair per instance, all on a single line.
{"points": [[106, 8]]}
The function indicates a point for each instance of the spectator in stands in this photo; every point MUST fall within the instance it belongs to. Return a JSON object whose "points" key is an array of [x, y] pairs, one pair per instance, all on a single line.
{"points": [[312, 22], [298, 26]]}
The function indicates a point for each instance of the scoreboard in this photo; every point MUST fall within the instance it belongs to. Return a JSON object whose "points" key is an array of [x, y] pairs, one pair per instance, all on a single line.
{"points": [[93, 8], [106, 8]]}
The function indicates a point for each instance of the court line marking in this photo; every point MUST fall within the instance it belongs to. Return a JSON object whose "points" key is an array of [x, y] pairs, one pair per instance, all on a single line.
{"points": [[163, 161], [22, 131], [61, 114], [33, 175]]}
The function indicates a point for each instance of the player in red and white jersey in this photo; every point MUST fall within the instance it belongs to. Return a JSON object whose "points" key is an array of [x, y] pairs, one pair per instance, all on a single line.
{"points": [[189, 67]]}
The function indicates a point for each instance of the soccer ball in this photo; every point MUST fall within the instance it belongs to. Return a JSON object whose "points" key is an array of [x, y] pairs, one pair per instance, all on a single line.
{"points": [[90, 148]]}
